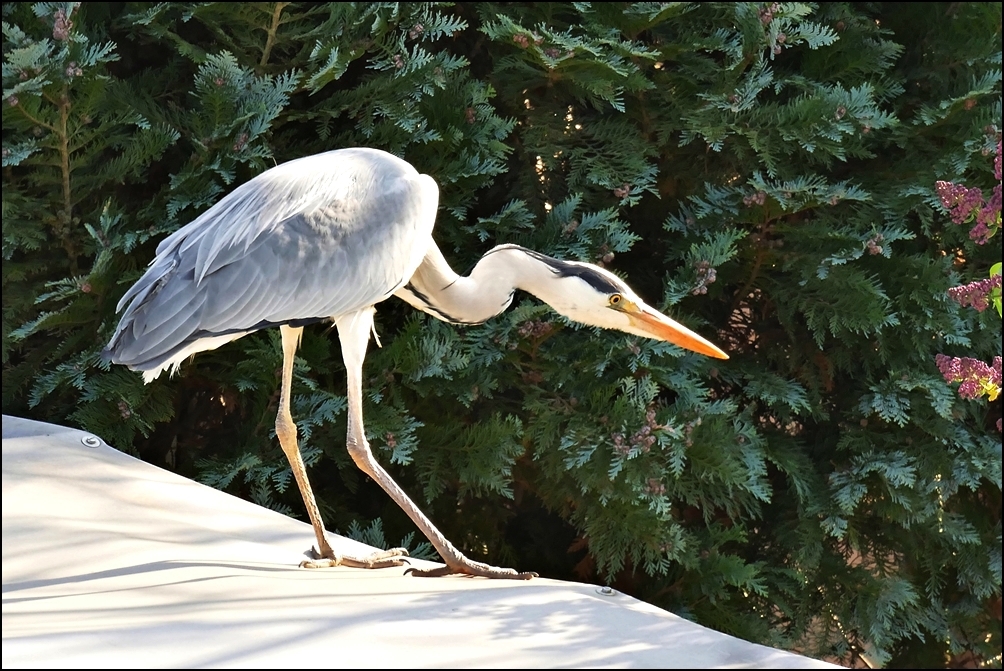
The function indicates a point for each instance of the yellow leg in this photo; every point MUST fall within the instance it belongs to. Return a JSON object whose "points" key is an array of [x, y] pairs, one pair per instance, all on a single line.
{"points": [[354, 332], [285, 430]]}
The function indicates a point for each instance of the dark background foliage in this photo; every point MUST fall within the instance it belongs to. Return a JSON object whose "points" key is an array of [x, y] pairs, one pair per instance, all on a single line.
{"points": [[764, 172]]}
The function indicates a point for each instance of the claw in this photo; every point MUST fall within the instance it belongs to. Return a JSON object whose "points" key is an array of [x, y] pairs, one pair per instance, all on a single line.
{"points": [[429, 572]]}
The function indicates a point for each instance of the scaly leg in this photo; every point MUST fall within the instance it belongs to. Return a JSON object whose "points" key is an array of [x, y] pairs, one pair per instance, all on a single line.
{"points": [[285, 430], [354, 333]]}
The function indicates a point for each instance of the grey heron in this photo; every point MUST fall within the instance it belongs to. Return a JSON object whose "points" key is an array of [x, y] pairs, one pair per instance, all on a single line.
{"points": [[326, 238]]}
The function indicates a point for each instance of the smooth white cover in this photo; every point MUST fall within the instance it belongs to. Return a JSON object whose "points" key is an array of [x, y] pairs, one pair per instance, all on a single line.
{"points": [[109, 562]]}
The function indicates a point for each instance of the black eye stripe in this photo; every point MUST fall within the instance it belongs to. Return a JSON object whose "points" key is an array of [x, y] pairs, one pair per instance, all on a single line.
{"points": [[597, 281]]}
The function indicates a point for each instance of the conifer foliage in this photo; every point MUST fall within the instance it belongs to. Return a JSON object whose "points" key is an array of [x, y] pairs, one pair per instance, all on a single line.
{"points": [[763, 171]]}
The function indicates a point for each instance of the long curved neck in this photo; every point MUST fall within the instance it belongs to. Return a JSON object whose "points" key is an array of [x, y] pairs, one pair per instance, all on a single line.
{"points": [[435, 288]]}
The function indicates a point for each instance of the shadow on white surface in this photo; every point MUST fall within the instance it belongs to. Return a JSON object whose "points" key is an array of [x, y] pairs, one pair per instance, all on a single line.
{"points": [[110, 562]]}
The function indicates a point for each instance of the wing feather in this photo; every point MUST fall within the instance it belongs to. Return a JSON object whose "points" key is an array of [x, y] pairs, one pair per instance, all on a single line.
{"points": [[309, 240]]}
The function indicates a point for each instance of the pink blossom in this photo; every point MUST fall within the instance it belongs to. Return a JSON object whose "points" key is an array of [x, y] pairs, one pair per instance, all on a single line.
{"points": [[959, 200], [975, 294], [974, 375], [965, 204], [988, 215], [980, 234]]}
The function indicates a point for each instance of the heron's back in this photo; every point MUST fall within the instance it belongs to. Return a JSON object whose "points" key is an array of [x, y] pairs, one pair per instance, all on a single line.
{"points": [[305, 241]]}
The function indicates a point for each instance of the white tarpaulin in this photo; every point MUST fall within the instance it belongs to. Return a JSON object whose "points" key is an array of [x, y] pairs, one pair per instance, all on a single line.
{"points": [[110, 562]]}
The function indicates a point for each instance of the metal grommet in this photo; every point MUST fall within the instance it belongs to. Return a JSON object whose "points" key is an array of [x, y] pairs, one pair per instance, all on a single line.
{"points": [[91, 441], [606, 590]]}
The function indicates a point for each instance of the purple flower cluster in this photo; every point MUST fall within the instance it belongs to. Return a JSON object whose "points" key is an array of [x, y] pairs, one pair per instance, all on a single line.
{"points": [[959, 200], [976, 294], [966, 204], [988, 218], [976, 377]]}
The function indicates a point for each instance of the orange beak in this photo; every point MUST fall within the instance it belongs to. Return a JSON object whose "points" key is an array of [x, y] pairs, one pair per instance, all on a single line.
{"points": [[661, 327]]}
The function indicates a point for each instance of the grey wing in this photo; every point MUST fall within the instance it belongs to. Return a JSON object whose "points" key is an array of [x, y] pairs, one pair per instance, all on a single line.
{"points": [[355, 235]]}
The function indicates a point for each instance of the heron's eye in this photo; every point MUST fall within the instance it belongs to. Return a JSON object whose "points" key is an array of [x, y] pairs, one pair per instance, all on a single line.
{"points": [[616, 300]]}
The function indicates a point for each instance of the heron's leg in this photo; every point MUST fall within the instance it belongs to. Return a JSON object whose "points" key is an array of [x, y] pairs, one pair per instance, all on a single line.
{"points": [[354, 332], [285, 430]]}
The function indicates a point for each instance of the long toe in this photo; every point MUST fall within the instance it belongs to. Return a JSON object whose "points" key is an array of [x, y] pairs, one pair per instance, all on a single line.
{"points": [[473, 568], [378, 559]]}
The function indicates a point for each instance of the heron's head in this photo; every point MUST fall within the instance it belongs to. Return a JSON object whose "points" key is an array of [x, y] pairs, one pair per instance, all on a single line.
{"points": [[591, 295]]}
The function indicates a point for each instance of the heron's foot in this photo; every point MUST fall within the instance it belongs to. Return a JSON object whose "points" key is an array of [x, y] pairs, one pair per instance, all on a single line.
{"points": [[378, 559], [472, 568]]}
